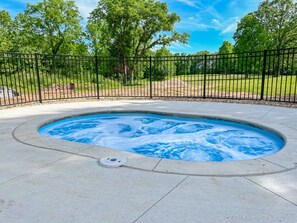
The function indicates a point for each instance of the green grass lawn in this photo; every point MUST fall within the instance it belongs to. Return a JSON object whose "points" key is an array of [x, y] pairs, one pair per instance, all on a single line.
{"points": [[238, 83], [281, 85]]}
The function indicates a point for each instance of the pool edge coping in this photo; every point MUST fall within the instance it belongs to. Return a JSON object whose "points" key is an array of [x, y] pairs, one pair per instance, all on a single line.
{"points": [[27, 133]]}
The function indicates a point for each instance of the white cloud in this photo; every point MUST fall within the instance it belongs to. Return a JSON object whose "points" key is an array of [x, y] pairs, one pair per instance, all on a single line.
{"points": [[190, 3], [233, 4], [203, 8], [216, 22], [179, 46], [174, 47], [86, 7], [210, 16], [230, 25], [192, 25], [28, 1], [230, 28], [196, 24]]}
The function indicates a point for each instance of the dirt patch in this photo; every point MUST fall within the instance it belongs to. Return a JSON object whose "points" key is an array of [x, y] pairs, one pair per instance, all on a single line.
{"points": [[173, 89]]}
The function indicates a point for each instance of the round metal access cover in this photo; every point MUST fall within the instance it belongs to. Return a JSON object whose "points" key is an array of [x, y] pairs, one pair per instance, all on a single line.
{"points": [[112, 161]]}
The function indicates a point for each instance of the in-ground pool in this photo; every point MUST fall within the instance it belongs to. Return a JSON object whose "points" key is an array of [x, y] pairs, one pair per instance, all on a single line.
{"points": [[169, 137]]}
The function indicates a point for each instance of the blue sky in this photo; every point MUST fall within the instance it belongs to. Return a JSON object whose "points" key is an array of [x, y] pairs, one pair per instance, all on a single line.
{"points": [[209, 22]]}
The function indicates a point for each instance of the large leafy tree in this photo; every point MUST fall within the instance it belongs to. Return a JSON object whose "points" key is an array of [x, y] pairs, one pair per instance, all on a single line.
{"points": [[197, 62], [279, 18], [50, 26], [96, 38], [225, 60], [162, 65], [132, 28], [6, 31], [272, 26], [226, 48], [251, 35]]}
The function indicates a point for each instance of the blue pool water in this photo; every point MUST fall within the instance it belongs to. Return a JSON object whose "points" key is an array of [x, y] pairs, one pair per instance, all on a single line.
{"points": [[170, 137]]}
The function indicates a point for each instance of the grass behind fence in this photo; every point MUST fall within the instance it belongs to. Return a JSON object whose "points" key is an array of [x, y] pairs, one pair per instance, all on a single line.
{"points": [[240, 76]]}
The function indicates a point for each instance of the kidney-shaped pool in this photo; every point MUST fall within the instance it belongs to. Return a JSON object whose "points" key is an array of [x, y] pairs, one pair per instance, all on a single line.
{"points": [[169, 137]]}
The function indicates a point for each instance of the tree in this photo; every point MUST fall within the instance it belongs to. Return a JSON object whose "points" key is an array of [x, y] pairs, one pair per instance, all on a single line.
{"points": [[96, 41], [162, 65], [197, 64], [225, 60], [50, 26], [250, 35], [6, 24], [182, 64], [132, 28], [226, 48], [279, 18]]}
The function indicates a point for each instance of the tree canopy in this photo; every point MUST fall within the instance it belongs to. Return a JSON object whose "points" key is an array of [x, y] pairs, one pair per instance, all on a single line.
{"points": [[50, 26], [279, 17], [132, 27], [273, 25], [6, 24], [250, 35], [226, 47]]}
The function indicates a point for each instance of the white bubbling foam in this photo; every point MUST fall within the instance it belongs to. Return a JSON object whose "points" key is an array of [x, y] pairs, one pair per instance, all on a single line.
{"points": [[168, 137]]}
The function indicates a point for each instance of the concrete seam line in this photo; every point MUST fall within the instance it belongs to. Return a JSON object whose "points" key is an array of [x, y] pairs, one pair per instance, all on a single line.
{"points": [[290, 127], [183, 180], [212, 175], [157, 164], [37, 168], [265, 188], [274, 163], [51, 149], [266, 113]]}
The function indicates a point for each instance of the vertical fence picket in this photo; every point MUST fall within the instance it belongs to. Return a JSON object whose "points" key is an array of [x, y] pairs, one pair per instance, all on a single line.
{"points": [[97, 76], [38, 77], [269, 76], [151, 79], [204, 73], [263, 75]]}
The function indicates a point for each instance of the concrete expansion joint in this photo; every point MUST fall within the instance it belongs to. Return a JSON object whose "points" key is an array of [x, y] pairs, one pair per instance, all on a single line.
{"points": [[266, 113], [52, 149], [31, 171], [265, 188], [211, 175], [165, 195], [276, 164], [157, 165], [290, 127]]}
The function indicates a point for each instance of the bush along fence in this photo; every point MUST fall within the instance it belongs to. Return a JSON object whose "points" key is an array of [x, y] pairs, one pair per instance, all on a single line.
{"points": [[269, 75]]}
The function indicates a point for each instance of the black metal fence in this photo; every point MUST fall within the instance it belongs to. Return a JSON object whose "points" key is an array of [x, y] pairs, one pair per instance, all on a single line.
{"points": [[268, 75]]}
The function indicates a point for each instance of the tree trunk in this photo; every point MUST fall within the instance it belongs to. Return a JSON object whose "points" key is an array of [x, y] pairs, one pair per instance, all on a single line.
{"points": [[278, 68], [132, 76], [124, 68]]}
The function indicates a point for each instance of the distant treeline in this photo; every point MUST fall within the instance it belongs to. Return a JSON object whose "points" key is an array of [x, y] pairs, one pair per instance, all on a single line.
{"points": [[133, 28]]}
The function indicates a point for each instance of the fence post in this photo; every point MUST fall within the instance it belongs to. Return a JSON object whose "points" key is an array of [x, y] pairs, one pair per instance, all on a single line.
{"points": [[151, 79], [204, 72], [97, 76], [38, 77], [263, 75]]}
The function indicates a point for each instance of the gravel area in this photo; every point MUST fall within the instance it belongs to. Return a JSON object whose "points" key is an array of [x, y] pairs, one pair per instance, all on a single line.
{"points": [[269, 103], [168, 90]]}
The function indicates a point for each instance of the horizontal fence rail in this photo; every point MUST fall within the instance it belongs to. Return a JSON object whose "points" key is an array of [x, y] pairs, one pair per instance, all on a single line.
{"points": [[270, 75]]}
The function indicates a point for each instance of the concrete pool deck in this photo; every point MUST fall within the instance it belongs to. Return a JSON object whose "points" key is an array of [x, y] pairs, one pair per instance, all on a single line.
{"points": [[47, 180]]}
